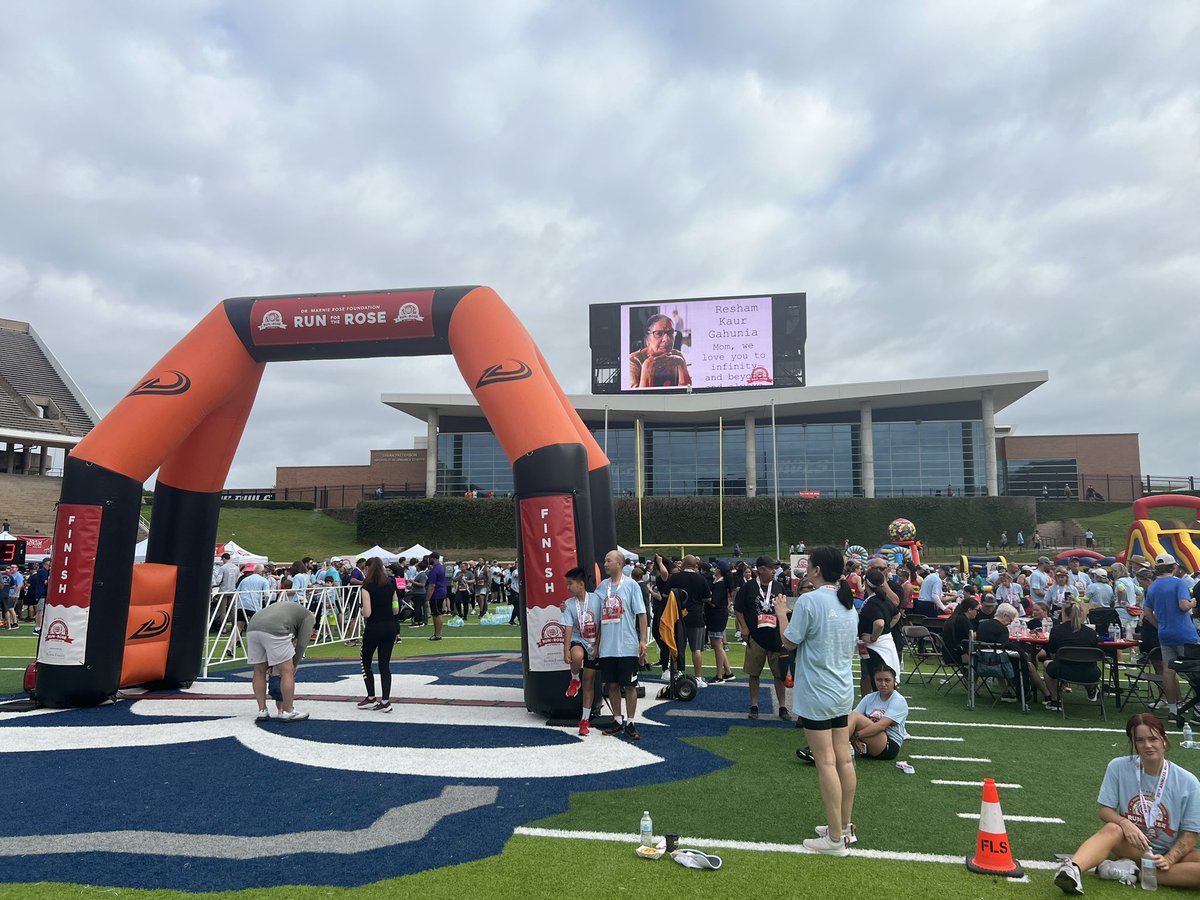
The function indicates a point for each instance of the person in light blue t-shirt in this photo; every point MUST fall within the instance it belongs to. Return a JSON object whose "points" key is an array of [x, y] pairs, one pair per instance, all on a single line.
{"points": [[1150, 807], [877, 723], [581, 623], [824, 630], [622, 641]]}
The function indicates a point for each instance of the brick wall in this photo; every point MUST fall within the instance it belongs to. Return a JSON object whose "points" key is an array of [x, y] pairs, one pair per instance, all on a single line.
{"points": [[394, 468]]}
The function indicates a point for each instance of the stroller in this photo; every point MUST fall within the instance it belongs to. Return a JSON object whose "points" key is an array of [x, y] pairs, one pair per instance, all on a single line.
{"points": [[670, 631]]}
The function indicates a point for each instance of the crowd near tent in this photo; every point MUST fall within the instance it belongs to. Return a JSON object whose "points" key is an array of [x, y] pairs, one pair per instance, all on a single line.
{"points": [[376, 552]]}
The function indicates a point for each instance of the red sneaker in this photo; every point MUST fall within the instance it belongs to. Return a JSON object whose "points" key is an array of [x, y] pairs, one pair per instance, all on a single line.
{"points": [[573, 687], [585, 727]]}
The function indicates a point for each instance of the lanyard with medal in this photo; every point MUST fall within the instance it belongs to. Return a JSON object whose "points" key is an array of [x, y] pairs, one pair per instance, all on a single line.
{"points": [[1148, 817], [766, 615]]}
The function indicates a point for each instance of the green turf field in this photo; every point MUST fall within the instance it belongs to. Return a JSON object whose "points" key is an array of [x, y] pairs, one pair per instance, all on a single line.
{"points": [[767, 796]]}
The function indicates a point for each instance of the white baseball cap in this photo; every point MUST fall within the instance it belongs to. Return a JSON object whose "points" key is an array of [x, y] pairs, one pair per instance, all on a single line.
{"points": [[1164, 559]]}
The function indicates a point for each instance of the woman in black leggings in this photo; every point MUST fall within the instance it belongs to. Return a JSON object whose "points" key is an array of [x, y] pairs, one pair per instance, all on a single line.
{"points": [[379, 604]]}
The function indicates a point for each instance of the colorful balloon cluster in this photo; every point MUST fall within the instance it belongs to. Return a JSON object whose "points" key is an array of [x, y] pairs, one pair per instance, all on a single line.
{"points": [[902, 530]]}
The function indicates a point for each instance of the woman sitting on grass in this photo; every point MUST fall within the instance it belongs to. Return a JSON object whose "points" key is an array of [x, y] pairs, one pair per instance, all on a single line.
{"points": [[1149, 806]]}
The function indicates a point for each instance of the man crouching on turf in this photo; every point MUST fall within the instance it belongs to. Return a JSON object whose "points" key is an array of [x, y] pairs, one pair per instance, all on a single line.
{"points": [[622, 641], [277, 637], [580, 620]]}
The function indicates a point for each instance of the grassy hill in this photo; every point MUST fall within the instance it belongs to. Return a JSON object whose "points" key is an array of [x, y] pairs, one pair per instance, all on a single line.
{"points": [[284, 535]]}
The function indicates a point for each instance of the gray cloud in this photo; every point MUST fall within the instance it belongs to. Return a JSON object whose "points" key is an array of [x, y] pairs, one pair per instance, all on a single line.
{"points": [[987, 187]]}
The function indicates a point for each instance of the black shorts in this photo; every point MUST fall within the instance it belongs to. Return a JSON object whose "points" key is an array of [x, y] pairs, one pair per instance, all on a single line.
{"points": [[437, 607], [891, 751], [825, 724], [588, 662], [620, 670]]}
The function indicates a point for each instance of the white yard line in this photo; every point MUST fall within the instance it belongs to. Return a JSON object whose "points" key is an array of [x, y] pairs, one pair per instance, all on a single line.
{"points": [[761, 847], [1018, 727], [925, 737], [999, 784], [975, 759], [1042, 820]]}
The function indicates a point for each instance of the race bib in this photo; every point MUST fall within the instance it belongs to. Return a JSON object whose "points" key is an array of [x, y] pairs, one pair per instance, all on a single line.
{"points": [[766, 620], [612, 610], [587, 627]]}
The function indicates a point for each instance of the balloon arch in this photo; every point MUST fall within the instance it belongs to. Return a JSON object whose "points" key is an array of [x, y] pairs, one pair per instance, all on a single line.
{"points": [[110, 623]]}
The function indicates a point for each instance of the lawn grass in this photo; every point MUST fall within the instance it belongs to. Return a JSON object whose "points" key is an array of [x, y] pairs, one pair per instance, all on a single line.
{"points": [[284, 535], [767, 795], [1112, 528]]}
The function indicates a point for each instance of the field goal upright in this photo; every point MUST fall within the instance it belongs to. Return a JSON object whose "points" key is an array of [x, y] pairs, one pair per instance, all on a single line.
{"points": [[640, 482]]}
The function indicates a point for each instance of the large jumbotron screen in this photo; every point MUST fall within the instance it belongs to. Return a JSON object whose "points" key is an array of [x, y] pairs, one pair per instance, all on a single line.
{"points": [[698, 344]]}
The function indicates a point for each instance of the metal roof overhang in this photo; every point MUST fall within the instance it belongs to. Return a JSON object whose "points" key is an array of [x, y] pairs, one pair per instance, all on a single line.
{"points": [[685, 408]]}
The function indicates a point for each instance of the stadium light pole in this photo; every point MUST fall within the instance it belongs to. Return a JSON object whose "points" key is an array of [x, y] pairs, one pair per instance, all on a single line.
{"points": [[775, 468]]}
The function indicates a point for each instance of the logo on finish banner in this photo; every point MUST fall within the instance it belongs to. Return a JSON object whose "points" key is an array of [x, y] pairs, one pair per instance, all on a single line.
{"points": [[552, 633], [272, 318], [152, 627], [499, 372], [167, 384], [58, 631]]}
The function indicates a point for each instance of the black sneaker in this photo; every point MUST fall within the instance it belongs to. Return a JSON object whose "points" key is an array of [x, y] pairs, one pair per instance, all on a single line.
{"points": [[1068, 880], [1093, 694], [784, 714], [615, 728], [631, 732], [805, 755], [753, 713]]}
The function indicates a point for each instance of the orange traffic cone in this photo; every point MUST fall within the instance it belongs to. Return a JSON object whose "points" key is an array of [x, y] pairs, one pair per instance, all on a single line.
{"points": [[993, 854]]}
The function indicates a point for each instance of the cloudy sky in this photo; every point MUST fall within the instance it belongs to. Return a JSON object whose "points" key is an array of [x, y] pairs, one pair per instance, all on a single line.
{"points": [[960, 187]]}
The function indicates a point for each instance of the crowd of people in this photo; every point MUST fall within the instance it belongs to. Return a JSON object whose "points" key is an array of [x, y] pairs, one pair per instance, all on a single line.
{"points": [[23, 595]]}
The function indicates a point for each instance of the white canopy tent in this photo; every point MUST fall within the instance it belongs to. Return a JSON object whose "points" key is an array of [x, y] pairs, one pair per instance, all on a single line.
{"points": [[628, 554], [376, 552], [416, 551], [240, 555]]}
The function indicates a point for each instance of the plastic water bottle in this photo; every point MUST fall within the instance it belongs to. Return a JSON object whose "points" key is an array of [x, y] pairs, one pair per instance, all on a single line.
{"points": [[1149, 873], [1114, 632], [647, 830], [1188, 740]]}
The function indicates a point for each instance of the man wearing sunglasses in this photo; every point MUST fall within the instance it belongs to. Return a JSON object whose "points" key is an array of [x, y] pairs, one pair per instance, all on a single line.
{"points": [[658, 363]]}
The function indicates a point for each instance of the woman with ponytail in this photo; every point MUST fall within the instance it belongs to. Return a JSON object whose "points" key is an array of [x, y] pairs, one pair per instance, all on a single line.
{"points": [[824, 627]]}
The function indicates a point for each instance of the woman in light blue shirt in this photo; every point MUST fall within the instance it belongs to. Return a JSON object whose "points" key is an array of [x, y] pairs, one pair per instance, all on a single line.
{"points": [[824, 630], [300, 579]]}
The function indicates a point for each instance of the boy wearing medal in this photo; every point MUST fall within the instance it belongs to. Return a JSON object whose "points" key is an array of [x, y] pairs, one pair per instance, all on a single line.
{"points": [[1150, 808], [580, 621]]}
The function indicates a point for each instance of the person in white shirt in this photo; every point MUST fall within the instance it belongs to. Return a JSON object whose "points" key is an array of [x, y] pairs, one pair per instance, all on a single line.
{"points": [[1040, 580], [929, 601]]}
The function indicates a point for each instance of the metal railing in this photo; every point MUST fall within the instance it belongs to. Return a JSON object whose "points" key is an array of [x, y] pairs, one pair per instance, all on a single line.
{"points": [[337, 610]]}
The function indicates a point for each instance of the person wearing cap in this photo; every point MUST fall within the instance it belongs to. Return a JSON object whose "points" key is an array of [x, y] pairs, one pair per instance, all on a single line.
{"points": [[757, 621], [1079, 578], [1100, 592], [1040, 580], [1169, 607]]}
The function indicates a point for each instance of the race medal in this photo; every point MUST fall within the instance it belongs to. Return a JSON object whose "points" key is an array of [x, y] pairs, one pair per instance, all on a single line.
{"points": [[1152, 834]]}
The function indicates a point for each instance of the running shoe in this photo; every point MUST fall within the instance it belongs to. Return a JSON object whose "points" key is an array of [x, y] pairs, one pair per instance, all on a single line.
{"points": [[729, 676], [263, 716], [1068, 880], [805, 755], [1122, 870], [573, 687], [1053, 705], [1093, 693], [701, 683], [665, 676], [585, 727], [382, 706], [784, 714], [631, 732], [753, 713], [615, 728], [292, 715], [828, 847], [850, 833], [367, 702]]}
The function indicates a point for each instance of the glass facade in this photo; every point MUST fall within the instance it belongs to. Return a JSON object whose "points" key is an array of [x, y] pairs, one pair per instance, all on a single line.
{"points": [[911, 458], [1038, 477]]}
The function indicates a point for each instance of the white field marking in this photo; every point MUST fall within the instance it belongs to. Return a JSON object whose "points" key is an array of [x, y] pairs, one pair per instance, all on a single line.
{"points": [[923, 737], [1011, 787], [12, 669], [978, 759], [1041, 820], [918, 708], [1019, 727], [761, 847]]}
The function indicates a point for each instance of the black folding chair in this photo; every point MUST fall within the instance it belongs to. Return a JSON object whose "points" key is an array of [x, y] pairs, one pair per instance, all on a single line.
{"points": [[1081, 656], [996, 662], [925, 647], [1143, 682], [953, 669]]}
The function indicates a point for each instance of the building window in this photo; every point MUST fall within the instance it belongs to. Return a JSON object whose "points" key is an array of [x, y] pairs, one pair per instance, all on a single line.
{"points": [[929, 458], [1042, 477]]}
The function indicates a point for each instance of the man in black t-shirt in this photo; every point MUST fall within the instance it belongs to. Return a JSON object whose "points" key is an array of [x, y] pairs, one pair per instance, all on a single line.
{"points": [[692, 587], [755, 611]]}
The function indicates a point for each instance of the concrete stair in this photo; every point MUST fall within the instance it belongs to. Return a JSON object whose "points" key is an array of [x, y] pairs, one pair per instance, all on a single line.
{"points": [[28, 502]]}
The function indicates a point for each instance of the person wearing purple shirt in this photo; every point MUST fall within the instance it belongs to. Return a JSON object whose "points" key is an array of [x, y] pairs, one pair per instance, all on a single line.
{"points": [[437, 594]]}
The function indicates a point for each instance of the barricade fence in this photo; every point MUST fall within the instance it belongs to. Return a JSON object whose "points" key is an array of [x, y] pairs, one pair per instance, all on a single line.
{"points": [[337, 610]]}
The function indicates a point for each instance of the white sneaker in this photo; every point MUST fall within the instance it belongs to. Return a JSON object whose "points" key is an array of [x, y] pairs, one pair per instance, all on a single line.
{"points": [[826, 846], [700, 682], [292, 715], [1122, 870], [263, 716], [1068, 880], [849, 832], [665, 676]]}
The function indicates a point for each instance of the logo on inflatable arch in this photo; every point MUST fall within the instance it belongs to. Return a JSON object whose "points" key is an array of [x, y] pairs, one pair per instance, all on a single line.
{"points": [[497, 373], [272, 318], [409, 312], [58, 632], [152, 627], [759, 375], [167, 384]]}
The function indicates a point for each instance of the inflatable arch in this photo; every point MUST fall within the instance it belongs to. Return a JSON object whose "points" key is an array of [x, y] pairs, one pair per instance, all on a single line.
{"points": [[109, 623]]}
